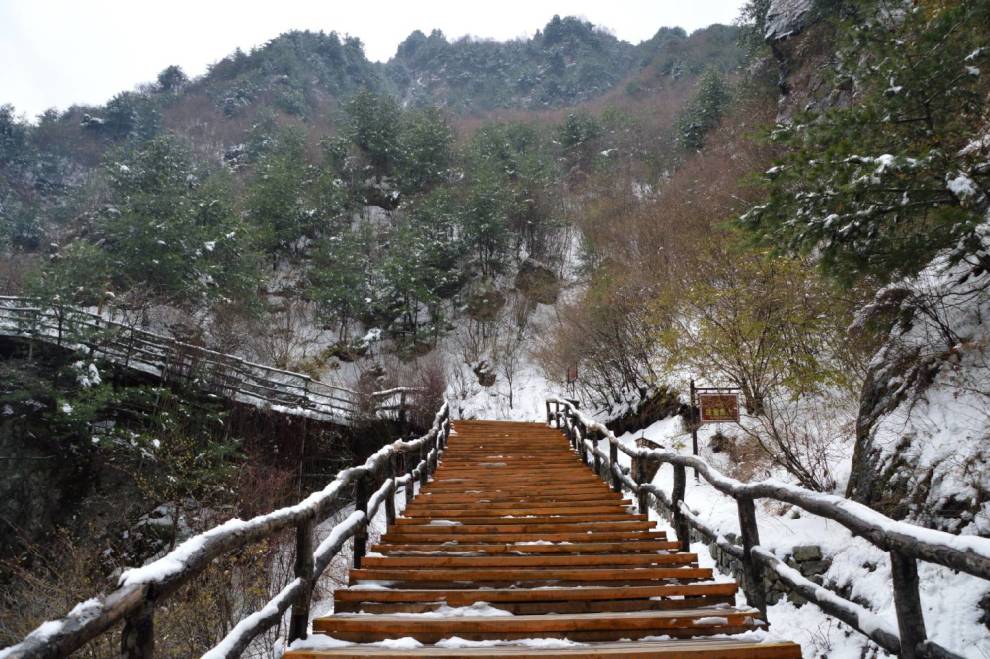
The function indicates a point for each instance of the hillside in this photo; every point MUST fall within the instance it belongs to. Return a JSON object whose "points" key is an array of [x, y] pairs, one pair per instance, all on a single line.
{"points": [[796, 208]]}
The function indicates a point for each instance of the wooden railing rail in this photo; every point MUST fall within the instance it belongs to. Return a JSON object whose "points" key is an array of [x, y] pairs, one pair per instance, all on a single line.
{"points": [[175, 361], [906, 543], [141, 590]]}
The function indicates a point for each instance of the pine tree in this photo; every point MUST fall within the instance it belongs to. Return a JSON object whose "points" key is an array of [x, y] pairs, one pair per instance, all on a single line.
{"points": [[704, 111], [879, 187]]}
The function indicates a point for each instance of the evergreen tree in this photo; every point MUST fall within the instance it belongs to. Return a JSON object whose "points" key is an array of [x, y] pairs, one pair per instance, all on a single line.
{"points": [[425, 146], [704, 111], [171, 231], [275, 199], [878, 187], [373, 125], [339, 277]]}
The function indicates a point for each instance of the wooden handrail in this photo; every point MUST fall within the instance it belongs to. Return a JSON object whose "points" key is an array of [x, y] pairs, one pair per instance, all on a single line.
{"points": [[142, 589], [906, 543]]}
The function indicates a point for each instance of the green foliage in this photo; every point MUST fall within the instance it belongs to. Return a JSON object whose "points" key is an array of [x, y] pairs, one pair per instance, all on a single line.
{"points": [[373, 126], [129, 115], [78, 275], [340, 277], [90, 418], [172, 79], [705, 110], [426, 154], [753, 24], [578, 137], [275, 202], [170, 233], [881, 186], [289, 70]]}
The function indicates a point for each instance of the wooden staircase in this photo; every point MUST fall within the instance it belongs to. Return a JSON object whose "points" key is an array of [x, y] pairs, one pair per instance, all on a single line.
{"points": [[516, 539]]}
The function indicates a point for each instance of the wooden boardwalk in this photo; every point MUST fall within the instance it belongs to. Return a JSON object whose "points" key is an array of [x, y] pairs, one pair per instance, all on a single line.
{"points": [[514, 521]]}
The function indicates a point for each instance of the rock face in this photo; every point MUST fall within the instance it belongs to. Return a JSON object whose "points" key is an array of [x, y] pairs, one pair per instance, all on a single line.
{"points": [[786, 18], [923, 433], [538, 282], [803, 46]]}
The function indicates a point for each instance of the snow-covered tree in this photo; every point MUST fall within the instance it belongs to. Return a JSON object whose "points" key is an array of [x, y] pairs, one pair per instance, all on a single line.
{"points": [[880, 186]]}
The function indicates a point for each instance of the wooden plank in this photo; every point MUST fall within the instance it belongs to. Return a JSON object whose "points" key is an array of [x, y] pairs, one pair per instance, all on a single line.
{"points": [[464, 597], [519, 526], [593, 535], [593, 626], [501, 575], [680, 649], [528, 561], [525, 518], [634, 546]]}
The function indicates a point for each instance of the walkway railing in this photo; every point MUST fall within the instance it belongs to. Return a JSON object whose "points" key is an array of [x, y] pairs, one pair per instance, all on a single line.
{"points": [[141, 590], [173, 361], [905, 543]]}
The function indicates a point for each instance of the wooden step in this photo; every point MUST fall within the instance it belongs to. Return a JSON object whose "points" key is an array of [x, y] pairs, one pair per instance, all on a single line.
{"points": [[580, 627], [442, 512], [528, 561], [531, 526], [680, 649], [592, 535], [522, 518], [633, 546], [460, 501], [526, 601], [542, 575]]}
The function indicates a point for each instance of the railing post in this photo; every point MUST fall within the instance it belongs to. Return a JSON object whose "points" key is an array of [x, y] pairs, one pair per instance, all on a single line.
{"points": [[138, 639], [754, 587], [579, 434], [435, 453], [639, 475], [362, 491], [390, 499], [549, 416], [299, 619], [613, 459], [409, 466], [676, 499], [593, 436], [907, 603], [402, 409], [424, 474]]}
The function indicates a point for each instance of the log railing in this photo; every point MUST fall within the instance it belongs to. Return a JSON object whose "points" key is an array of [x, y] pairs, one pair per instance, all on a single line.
{"points": [[141, 590], [174, 361], [905, 543]]}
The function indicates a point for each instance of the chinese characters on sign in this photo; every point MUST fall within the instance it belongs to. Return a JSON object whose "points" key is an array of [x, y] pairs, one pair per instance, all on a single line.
{"points": [[717, 407]]}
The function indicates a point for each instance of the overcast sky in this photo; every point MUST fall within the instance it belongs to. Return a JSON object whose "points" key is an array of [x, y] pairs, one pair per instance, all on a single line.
{"points": [[60, 52]]}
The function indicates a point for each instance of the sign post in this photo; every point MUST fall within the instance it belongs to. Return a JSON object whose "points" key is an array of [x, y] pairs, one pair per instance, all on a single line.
{"points": [[713, 405]]}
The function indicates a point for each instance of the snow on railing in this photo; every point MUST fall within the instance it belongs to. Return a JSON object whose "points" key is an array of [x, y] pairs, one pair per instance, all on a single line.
{"points": [[906, 543], [261, 386], [141, 589]]}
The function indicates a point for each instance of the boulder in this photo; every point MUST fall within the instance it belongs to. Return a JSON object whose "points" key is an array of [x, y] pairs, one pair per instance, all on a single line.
{"points": [[485, 372], [538, 282], [485, 305], [807, 553]]}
